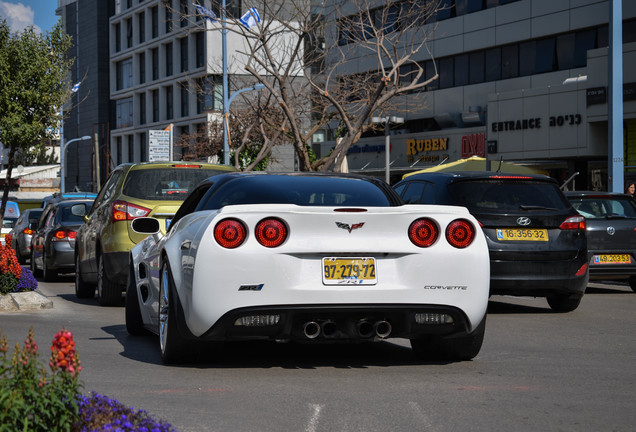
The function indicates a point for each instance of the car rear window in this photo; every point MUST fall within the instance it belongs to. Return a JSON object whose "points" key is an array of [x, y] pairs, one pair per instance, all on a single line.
{"points": [[496, 195], [299, 190], [604, 207], [165, 184]]}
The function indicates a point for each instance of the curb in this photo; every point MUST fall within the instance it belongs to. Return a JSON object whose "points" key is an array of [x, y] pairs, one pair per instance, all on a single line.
{"points": [[24, 301]]}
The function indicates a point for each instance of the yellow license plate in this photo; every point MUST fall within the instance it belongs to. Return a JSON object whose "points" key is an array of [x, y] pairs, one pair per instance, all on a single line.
{"points": [[612, 259], [349, 271], [525, 234]]}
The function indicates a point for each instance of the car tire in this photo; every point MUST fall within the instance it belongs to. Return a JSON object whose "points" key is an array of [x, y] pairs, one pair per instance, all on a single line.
{"points": [[134, 323], [109, 293], [83, 289], [564, 302], [34, 268], [632, 283], [172, 346], [48, 274], [452, 348], [21, 258]]}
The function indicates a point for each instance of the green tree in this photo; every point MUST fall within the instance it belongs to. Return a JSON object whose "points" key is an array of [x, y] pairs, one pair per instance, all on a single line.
{"points": [[33, 87]]}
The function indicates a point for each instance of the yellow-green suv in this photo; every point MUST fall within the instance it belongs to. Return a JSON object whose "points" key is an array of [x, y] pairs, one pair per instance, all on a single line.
{"points": [[103, 242]]}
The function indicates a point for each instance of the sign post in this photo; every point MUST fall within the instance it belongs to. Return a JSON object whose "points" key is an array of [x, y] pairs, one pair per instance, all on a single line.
{"points": [[159, 145]]}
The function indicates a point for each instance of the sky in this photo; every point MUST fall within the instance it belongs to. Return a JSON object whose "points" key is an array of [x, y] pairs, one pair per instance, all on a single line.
{"points": [[20, 14]]}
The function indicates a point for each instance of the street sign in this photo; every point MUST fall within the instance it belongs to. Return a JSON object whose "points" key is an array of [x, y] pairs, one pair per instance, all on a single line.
{"points": [[159, 145]]}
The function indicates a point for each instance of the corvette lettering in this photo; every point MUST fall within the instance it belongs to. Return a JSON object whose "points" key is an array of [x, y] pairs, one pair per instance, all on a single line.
{"points": [[446, 287], [349, 227]]}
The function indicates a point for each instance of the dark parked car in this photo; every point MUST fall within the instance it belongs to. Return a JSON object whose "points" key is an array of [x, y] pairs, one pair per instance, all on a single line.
{"points": [[611, 233], [22, 232], [53, 241], [536, 239]]}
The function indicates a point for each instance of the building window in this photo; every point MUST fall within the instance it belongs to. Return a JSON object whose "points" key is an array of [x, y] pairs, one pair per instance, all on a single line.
{"points": [[155, 63], [493, 64], [155, 105], [169, 103], [463, 7], [585, 41], [129, 33], [183, 46], [200, 49], [168, 27], [183, 11], [527, 57], [143, 149], [142, 27], [131, 148], [446, 72], [142, 108], [124, 112], [142, 67], [232, 7], [169, 59], [119, 154], [509, 61], [155, 21], [124, 74], [546, 56], [461, 70], [117, 32], [210, 94], [185, 100], [477, 74]]}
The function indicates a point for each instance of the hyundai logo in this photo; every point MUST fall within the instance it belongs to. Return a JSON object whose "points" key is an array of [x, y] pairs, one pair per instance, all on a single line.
{"points": [[524, 221], [611, 230]]}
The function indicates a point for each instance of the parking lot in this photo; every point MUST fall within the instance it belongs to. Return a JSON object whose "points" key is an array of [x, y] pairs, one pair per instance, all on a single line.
{"points": [[537, 370]]}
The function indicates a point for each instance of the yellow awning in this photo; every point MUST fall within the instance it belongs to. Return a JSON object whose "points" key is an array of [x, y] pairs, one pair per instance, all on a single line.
{"points": [[476, 163]]}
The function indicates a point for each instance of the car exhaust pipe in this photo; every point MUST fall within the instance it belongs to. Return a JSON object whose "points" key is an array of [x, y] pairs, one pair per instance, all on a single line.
{"points": [[383, 329], [328, 328], [311, 329], [365, 329]]}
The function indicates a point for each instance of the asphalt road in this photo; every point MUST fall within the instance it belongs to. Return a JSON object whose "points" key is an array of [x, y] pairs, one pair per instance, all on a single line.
{"points": [[537, 371]]}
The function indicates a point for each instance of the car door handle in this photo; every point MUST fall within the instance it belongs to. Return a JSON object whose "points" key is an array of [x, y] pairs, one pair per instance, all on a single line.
{"points": [[186, 245]]}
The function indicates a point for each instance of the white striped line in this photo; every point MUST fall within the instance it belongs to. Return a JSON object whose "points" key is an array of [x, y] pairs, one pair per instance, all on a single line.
{"points": [[315, 417]]}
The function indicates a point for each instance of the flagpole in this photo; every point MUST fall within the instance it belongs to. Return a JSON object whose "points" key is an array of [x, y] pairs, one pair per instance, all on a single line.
{"points": [[226, 146]]}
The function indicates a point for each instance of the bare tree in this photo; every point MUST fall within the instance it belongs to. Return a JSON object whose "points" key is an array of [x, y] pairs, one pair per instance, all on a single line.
{"points": [[305, 56]]}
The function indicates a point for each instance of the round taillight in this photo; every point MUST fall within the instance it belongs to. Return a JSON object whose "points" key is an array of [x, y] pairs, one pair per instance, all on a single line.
{"points": [[230, 233], [423, 232], [271, 232], [460, 233]]}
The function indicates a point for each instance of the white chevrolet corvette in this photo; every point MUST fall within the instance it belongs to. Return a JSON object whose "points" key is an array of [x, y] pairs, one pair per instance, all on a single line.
{"points": [[313, 258]]}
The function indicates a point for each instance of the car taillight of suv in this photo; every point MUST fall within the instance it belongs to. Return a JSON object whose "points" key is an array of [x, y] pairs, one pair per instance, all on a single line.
{"points": [[122, 210]]}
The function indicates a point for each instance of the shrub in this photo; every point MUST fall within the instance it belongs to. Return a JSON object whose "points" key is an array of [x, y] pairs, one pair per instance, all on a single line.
{"points": [[31, 400], [14, 278]]}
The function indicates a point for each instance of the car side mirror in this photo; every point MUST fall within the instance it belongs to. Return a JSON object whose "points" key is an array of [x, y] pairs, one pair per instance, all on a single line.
{"points": [[78, 210]]}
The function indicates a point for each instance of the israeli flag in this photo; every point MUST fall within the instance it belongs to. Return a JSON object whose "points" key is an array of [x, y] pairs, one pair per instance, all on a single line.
{"points": [[76, 87], [206, 13], [250, 18]]}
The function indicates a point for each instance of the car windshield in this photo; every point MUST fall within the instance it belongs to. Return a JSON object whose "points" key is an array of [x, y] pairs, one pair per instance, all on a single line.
{"points": [[299, 190], [496, 196], [68, 217], [604, 207], [164, 184]]}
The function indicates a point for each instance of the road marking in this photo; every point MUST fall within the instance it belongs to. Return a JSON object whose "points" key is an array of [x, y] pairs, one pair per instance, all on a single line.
{"points": [[315, 417]]}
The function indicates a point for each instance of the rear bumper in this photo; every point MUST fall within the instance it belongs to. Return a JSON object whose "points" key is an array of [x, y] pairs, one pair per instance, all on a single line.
{"points": [[61, 257], [320, 323], [537, 279]]}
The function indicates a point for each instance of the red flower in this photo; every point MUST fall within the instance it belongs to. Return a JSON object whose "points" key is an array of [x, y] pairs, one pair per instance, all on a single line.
{"points": [[63, 355]]}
